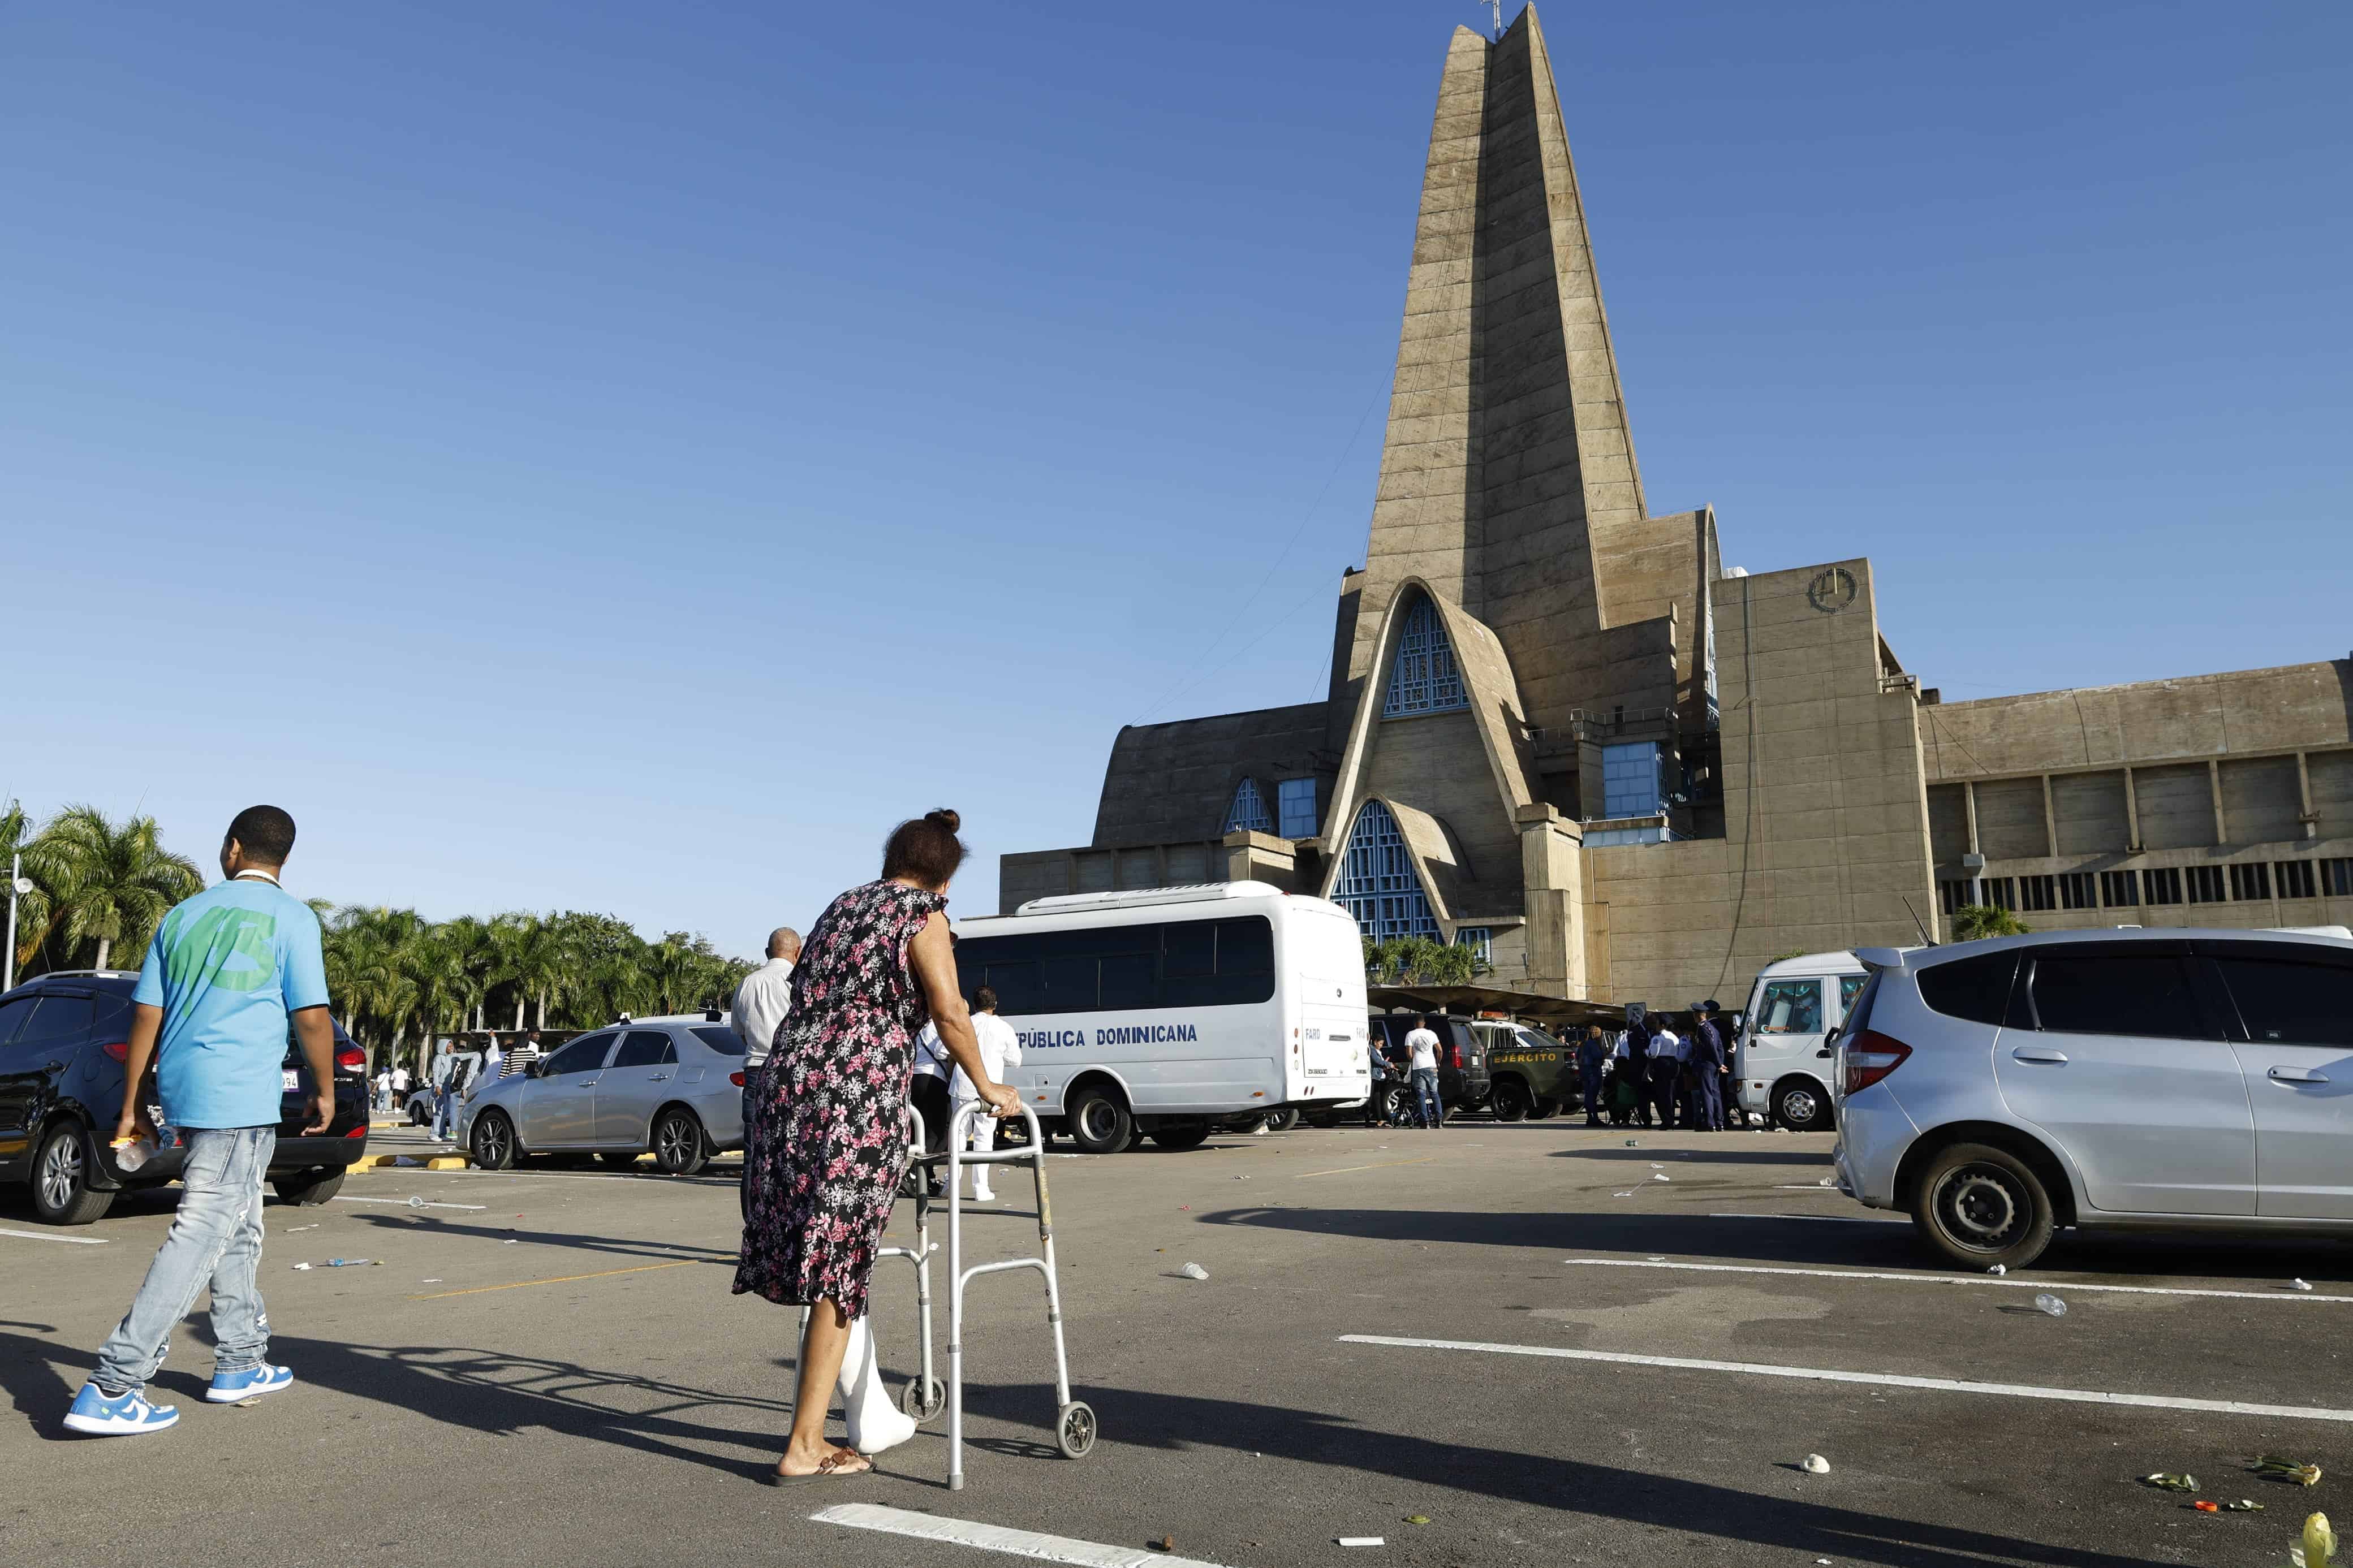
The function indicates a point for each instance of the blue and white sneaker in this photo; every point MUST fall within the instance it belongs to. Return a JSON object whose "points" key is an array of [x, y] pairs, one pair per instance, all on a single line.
{"points": [[99, 1416], [228, 1388]]}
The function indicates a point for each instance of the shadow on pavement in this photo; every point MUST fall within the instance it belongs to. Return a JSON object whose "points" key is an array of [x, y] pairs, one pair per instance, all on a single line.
{"points": [[2229, 1261], [428, 1223], [1733, 1155], [1180, 1422]]}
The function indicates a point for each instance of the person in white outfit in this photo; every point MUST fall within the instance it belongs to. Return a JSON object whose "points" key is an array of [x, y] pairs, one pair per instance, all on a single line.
{"points": [[1000, 1049]]}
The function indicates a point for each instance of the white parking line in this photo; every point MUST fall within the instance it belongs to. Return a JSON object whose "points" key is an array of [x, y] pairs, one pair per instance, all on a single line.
{"points": [[1823, 1218], [1876, 1379], [43, 1235], [1962, 1280], [404, 1203], [997, 1537]]}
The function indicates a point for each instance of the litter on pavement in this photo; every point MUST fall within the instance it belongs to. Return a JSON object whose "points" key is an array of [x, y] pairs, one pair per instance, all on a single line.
{"points": [[2294, 1470], [1817, 1465], [1194, 1271], [2050, 1306], [1363, 1540], [2171, 1481], [2299, 1284]]}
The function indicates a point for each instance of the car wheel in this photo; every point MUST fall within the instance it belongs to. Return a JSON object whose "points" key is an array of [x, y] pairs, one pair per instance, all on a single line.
{"points": [[1510, 1100], [1978, 1205], [493, 1146], [308, 1189], [1801, 1105], [1181, 1136], [678, 1146], [1282, 1119], [61, 1191], [1099, 1123]]}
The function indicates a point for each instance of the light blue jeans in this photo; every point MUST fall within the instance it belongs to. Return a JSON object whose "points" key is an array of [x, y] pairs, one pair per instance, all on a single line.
{"points": [[216, 1239]]}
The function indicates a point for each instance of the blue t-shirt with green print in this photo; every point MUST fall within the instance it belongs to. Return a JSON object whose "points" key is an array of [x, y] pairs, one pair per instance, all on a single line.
{"points": [[226, 968]]}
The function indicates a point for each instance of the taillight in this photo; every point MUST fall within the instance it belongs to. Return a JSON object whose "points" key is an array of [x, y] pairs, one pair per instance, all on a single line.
{"points": [[1871, 1056], [350, 1057], [120, 1050], [359, 1131], [736, 1078]]}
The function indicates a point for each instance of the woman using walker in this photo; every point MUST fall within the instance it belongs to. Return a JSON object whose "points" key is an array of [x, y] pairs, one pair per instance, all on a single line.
{"points": [[828, 1134]]}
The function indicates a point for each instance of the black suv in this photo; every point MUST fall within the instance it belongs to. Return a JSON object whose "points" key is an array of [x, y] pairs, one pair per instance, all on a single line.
{"points": [[1462, 1080], [63, 1040]]}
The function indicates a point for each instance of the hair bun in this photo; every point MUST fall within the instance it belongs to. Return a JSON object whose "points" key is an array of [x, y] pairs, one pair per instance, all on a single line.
{"points": [[946, 818]]}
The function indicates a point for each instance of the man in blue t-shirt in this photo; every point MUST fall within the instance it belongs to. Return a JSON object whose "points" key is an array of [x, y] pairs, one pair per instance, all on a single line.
{"points": [[225, 973]]}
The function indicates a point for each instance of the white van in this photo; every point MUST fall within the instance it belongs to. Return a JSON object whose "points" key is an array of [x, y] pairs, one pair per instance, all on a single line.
{"points": [[1163, 1010], [1782, 1063]]}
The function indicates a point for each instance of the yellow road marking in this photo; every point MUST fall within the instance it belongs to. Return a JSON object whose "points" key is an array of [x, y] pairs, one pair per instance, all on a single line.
{"points": [[1383, 1165], [566, 1278]]}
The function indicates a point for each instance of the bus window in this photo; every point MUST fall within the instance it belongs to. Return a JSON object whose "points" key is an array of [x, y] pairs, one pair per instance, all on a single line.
{"points": [[1791, 1007], [1849, 987]]}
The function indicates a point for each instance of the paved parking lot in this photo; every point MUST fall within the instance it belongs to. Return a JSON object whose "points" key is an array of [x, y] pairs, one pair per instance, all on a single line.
{"points": [[1515, 1332]]}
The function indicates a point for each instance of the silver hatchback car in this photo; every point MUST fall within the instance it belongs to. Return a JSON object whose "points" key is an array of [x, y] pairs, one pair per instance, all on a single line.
{"points": [[2160, 1079], [673, 1087]]}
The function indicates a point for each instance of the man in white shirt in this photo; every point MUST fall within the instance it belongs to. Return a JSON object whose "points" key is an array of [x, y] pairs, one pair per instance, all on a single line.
{"points": [[1001, 1048], [766, 993], [493, 1062], [1421, 1062], [1668, 1050]]}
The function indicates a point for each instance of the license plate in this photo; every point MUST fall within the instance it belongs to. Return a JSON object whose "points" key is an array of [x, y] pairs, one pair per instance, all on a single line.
{"points": [[293, 1081]]}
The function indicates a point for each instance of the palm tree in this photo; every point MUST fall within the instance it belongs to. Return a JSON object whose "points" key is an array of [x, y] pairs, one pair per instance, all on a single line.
{"points": [[1971, 922], [106, 884]]}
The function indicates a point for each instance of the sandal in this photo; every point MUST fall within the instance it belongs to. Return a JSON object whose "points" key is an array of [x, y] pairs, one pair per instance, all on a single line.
{"points": [[828, 1469]]}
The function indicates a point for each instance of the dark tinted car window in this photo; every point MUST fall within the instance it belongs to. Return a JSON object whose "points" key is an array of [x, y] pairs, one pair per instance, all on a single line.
{"points": [[583, 1055], [640, 1049], [2291, 1004], [59, 1020], [13, 1014], [719, 1038], [2117, 994], [1977, 989]]}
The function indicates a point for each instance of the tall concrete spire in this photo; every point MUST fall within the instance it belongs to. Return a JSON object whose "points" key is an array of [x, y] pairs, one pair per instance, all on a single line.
{"points": [[1507, 457]]}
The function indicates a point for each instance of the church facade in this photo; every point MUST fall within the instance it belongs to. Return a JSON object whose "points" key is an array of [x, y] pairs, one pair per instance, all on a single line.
{"points": [[1562, 729]]}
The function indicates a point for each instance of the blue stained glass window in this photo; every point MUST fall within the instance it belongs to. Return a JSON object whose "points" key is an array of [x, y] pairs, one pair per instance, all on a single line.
{"points": [[1248, 810], [1480, 939], [1423, 679], [1295, 800], [1378, 882]]}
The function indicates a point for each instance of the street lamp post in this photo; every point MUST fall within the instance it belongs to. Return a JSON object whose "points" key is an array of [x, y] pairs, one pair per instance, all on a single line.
{"points": [[17, 883]]}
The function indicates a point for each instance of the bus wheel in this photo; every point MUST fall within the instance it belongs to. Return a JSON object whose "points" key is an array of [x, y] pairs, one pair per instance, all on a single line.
{"points": [[1282, 1119], [1178, 1136], [1099, 1123]]}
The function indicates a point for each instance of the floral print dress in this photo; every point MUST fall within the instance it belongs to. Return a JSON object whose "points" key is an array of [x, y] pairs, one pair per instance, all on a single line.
{"points": [[828, 1135]]}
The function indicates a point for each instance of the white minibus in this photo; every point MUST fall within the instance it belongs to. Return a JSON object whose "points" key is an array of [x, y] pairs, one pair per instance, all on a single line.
{"points": [[1783, 1064], [1164, 1011]]}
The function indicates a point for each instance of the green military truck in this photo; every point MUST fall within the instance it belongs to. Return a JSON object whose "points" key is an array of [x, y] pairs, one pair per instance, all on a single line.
{"points": [[1530, 1074]]}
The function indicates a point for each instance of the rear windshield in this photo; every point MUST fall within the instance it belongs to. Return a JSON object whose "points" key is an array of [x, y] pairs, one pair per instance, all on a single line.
{"points": [[719, 1038], [1977, 989]]}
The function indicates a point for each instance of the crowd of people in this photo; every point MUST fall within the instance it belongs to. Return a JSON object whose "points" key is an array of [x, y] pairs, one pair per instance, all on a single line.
{"points": [[1650, 1074]]}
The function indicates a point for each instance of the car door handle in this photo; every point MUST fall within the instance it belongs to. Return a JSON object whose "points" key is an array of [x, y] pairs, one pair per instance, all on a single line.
{"points": [[657, 1077], [2039, 1054], [2298, 1075]]}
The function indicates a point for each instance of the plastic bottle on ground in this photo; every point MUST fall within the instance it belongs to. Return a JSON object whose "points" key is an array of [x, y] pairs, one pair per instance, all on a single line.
{"points": [[2050, 1306]]}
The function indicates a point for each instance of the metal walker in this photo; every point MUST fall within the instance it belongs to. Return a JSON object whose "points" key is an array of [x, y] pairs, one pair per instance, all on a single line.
{"points": [[1075, 1421]]}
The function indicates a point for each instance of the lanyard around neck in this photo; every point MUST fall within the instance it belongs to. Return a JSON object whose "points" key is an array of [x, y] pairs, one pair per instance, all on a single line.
{"points": [[264, 876]]}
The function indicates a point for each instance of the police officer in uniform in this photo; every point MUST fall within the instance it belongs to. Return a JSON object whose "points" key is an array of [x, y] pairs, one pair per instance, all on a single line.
{"points": [[1710, 1062], [1591, 1052]]}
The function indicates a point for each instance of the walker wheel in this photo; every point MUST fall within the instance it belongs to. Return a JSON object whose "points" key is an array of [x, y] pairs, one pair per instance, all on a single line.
{"points": [[1074, 1429], [921, 1401]]}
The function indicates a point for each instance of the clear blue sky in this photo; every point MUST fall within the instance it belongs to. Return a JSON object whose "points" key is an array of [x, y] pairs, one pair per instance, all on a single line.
{"points": [[623, 457]]}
